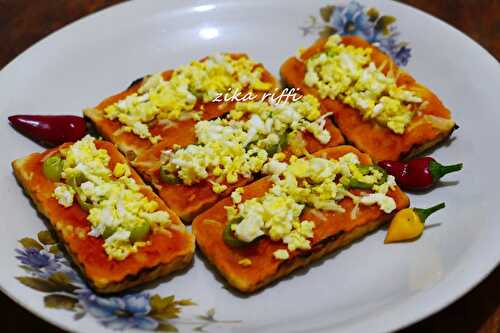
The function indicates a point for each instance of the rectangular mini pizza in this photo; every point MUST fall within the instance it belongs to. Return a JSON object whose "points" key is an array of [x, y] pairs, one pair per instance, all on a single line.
{"points": [[377, 106], [254, 138], [163, 108], [117, 231], [309, 208]]}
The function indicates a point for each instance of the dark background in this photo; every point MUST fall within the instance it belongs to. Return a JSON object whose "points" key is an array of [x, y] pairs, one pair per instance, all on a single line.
{"points": [[24, 22]]}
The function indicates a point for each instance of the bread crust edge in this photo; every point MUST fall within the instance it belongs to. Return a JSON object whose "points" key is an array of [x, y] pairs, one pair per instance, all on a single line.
{"points": [[288, 266]]}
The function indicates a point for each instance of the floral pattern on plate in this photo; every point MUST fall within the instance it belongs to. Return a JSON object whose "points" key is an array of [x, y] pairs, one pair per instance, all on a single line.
{"points": [[51, 273], [368, 23]]}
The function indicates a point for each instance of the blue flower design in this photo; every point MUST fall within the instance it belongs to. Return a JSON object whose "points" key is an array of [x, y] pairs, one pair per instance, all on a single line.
{"points": [[388, 43], [123, 312], [41, 261], [44, 263], [119, 313], [402, 55], [35, 258], [352, 20]]}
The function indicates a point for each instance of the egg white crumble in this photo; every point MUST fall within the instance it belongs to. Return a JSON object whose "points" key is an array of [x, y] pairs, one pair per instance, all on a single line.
{"points": [[281, 254], [112, 197], [236, 195], [348, 73], [64, 195], [176, 99]]}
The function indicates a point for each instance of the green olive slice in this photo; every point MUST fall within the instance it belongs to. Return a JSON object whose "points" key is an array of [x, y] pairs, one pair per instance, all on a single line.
{"points": [[53, 168], [354, 183], [139, 232], [383, 172], [76, 180], [272, 149], [365, 170], [278, 147], [167, 177], [283, 141], [108, 232], [85, 205]]}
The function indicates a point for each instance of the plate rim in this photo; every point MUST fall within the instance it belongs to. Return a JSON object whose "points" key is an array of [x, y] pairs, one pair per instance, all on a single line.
{"points": [[473, 279]]}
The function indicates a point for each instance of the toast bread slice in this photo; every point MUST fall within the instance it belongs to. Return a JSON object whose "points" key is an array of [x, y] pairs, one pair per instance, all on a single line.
{"points": [[332, 231], [167, 252], [430, 126]]}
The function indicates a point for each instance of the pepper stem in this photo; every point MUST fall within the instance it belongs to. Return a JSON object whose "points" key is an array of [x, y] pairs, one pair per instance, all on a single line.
{"points": [[424, 213], [438, 170]]}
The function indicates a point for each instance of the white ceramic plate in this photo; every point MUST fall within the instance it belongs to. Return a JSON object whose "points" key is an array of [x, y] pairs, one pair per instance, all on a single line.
{"points": [[368, 287]]}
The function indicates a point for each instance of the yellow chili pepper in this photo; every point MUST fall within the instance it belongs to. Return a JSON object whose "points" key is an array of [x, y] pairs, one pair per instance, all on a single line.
{"points": [[408, 224]]}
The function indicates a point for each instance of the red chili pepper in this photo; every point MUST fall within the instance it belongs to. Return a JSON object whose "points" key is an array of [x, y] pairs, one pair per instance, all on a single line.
{"points": [[418, 174], [50, 130]]}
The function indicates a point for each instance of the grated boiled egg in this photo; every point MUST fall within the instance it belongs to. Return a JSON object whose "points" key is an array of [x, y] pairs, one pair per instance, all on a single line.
{"points": [[175, 99], [245, 262], [387, 204], [116, 206], [236, 147], [64, 195], [281, 254], [313, 182], [236, 195], [347, 73]]}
